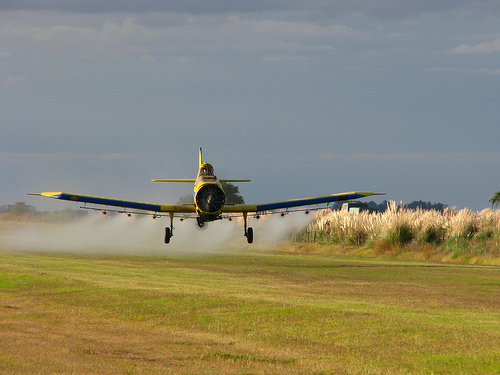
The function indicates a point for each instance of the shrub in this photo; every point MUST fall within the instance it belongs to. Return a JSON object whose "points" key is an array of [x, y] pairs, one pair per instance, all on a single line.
{"points": [[485, 234], [358, 237], [401, 234], [433, 234]]}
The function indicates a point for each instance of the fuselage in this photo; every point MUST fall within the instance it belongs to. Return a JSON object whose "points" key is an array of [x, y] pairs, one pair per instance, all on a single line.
{"points": [[209, 197]]}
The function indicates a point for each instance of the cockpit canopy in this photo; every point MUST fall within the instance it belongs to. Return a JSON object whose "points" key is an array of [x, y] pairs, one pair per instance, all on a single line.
{"points": [[206, 170]]}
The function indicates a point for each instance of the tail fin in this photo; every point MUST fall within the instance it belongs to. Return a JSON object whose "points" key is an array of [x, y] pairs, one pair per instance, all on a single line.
{"points": [[201, 158]]}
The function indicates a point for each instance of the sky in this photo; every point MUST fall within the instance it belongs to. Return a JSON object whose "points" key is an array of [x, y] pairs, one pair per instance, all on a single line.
{"points": [[304, 98]]}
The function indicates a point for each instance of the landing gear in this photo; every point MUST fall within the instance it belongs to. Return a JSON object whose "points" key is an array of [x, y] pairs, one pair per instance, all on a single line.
{"points": [[249, 235], [200, 222], [249, 230], [169, 231], [168, 234]]}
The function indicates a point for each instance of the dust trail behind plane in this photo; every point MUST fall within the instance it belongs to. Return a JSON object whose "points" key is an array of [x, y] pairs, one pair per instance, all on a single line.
{"points": [[138, 235]]}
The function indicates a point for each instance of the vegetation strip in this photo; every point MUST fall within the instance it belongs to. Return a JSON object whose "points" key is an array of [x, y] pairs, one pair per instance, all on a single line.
{"points": [[462, 234]]}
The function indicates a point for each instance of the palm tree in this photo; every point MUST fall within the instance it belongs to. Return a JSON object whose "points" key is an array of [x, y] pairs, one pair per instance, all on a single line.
{"points": [[495, 201]]}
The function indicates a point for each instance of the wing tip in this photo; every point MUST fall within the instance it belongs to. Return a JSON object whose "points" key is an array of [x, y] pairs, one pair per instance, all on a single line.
{"points": [[50, 194], [366, 193]]}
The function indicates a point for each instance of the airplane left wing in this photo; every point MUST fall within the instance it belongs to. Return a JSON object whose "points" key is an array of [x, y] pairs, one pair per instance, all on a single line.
{"points": [[245, 208], [171, 208]]}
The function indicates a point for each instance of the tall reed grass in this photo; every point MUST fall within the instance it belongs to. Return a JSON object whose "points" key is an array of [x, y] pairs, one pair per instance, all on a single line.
{"points": [[457, 231]]}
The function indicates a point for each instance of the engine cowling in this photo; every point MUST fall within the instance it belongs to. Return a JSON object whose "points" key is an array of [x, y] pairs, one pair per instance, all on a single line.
{"points": [[210, 199]]}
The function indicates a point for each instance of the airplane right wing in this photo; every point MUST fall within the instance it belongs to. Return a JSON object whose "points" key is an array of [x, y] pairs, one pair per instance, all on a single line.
{"points": [[245, 208]]}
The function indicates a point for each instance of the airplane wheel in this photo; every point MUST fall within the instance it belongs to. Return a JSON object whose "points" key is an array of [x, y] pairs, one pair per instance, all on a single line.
{"points": [[200, 224], [249, 235], [168, 234]]}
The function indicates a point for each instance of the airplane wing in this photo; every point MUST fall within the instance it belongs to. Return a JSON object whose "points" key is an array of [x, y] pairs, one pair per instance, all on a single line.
{"points": [[192, 180], [241, 208], [225, 180], [181, 208]]}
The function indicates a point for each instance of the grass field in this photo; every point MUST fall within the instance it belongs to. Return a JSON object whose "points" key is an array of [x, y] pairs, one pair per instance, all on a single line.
{"points": [[246, 313]]}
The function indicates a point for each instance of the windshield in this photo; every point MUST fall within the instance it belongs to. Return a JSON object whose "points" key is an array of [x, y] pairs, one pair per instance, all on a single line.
{"points": [[207, 170]]}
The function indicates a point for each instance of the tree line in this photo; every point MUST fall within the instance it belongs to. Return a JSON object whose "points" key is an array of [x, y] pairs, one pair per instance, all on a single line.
{"points": [[382, 207], [20, 211]]}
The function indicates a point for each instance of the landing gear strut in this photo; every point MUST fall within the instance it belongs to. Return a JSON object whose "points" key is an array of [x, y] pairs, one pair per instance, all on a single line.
{"points": [[249, 230], [169, 231], [200, 222]]}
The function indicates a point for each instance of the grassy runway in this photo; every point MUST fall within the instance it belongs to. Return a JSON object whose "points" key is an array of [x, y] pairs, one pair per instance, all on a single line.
{"points": [[252, 313]]}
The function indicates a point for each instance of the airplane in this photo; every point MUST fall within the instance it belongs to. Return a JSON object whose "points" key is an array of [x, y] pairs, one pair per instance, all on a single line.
{"points": [[209, 202]]}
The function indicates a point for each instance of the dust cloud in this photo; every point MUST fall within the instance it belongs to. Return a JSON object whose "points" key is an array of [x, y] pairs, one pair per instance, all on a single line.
{"points": [[141, 235]]}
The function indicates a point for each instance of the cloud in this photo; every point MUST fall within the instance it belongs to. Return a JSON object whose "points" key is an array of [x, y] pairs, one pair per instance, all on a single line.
{"points": [[16, 79], [375, 8], [481, 48], [183, 59], [200, 33], [112, 157], [284, 58], [148, 58], [461, 70]]}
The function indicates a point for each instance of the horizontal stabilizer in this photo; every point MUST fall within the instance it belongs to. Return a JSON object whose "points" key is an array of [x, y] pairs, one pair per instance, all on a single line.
{"points": [[192, 180]]}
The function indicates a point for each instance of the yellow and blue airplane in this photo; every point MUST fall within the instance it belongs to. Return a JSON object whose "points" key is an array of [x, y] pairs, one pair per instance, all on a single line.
{"points": [[209, 202]]}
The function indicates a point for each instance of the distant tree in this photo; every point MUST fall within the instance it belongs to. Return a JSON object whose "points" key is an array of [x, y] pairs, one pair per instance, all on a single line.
{"points": [[233, 195], [6, 208], [425, 206], [21, 208], [495, 201], [382, 207]]}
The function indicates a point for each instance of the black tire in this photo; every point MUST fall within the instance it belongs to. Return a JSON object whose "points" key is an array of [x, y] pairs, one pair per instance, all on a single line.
{"points": [[250, 235], [168, 234]]}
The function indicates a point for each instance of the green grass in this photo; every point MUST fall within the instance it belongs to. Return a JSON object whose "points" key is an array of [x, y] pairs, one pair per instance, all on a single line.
{"points": [[256, 313]]}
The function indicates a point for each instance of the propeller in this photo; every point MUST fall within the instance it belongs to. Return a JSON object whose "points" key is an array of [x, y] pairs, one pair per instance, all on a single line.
{"points": [[210, 198]]}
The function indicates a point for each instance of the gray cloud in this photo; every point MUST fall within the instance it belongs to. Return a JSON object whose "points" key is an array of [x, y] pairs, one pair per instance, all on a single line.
{"points": [[202, 33], [377, 8], [480, 48]]}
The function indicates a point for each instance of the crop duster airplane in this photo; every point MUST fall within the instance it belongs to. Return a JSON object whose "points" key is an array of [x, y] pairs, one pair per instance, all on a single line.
{"points": [[209, 203]]}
